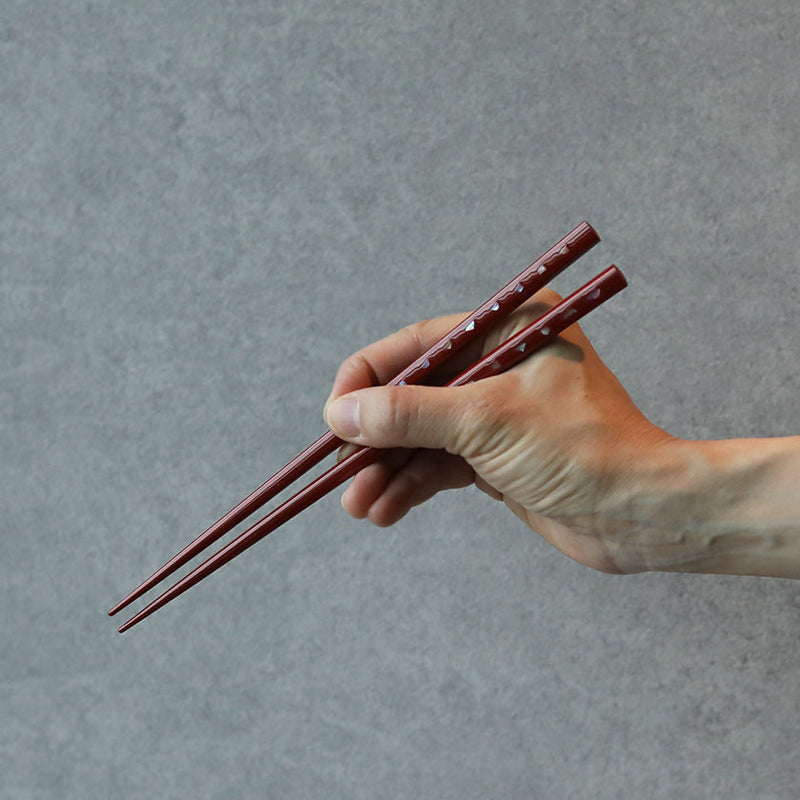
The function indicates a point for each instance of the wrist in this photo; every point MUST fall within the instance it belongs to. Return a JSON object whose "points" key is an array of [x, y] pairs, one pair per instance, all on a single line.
{"points": [[709, 506]]}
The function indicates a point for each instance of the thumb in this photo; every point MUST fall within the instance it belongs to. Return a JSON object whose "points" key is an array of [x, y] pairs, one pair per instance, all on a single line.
{"points": [[401, 416]]}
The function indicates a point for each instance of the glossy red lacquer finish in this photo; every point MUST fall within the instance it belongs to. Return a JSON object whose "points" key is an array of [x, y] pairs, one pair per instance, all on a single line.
{"points": [[520, 346], [577, 242]]}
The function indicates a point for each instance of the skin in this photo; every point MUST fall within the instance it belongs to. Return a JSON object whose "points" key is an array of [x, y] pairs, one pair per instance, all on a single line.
{"points": [[559, 441]]}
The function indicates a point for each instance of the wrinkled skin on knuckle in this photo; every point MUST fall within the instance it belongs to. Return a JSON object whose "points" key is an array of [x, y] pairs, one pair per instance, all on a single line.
{"points": [[415, 332], [390, 419], [355, 372], [398, 416], [485, 418], [360, 365]]}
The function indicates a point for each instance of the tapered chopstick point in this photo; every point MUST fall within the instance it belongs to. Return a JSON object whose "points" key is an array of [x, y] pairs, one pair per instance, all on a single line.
{"points": [[300, 464]]}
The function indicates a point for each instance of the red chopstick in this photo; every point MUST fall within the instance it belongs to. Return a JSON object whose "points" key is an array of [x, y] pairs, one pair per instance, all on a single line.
{"points": [[577, 242], [532, 338]]}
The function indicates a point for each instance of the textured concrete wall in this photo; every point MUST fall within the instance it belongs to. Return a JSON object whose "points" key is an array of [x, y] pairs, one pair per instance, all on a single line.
{"points": [[204, 206]]}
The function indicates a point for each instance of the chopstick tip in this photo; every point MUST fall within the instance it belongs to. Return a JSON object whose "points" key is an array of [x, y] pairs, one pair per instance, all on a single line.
{"points": [[128, 599], [126, 625], [117, 607]]}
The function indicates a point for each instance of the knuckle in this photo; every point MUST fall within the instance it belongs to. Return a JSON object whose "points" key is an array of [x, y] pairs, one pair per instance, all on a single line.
{"points": [[357, 369], [483, 406], [414, 336], [398, 417], [395, 420], [383, 418], [486, 415], [364, 368]]}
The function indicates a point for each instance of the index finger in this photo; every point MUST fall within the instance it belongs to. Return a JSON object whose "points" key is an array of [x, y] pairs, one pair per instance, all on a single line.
{"points": [[379, 362]]}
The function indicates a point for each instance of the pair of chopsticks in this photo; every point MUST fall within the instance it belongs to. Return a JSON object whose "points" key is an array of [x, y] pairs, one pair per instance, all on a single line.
{"points": [[521, 345]]}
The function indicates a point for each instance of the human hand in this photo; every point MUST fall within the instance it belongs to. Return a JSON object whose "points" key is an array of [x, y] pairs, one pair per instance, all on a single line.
{"points": [[556, 438]]}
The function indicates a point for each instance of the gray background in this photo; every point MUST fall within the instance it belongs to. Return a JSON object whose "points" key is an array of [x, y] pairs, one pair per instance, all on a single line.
{"points": [[204, 207]]}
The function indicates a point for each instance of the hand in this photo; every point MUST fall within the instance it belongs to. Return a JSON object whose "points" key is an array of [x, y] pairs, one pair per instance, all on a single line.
{"points": [[555, 438]]}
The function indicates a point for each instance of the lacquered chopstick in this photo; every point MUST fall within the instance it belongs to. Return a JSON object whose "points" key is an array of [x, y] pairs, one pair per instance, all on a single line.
{"points": [[520, 346], [555, 260]]}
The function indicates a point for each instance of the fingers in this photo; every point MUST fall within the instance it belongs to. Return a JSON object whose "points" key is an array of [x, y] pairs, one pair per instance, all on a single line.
{"points": [[384, 494], [368, 485], [477, 423], [380, 361], [406, 416]]}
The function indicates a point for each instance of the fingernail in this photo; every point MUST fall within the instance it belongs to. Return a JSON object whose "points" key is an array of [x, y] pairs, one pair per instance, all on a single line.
{"points": [[342, 416]]}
